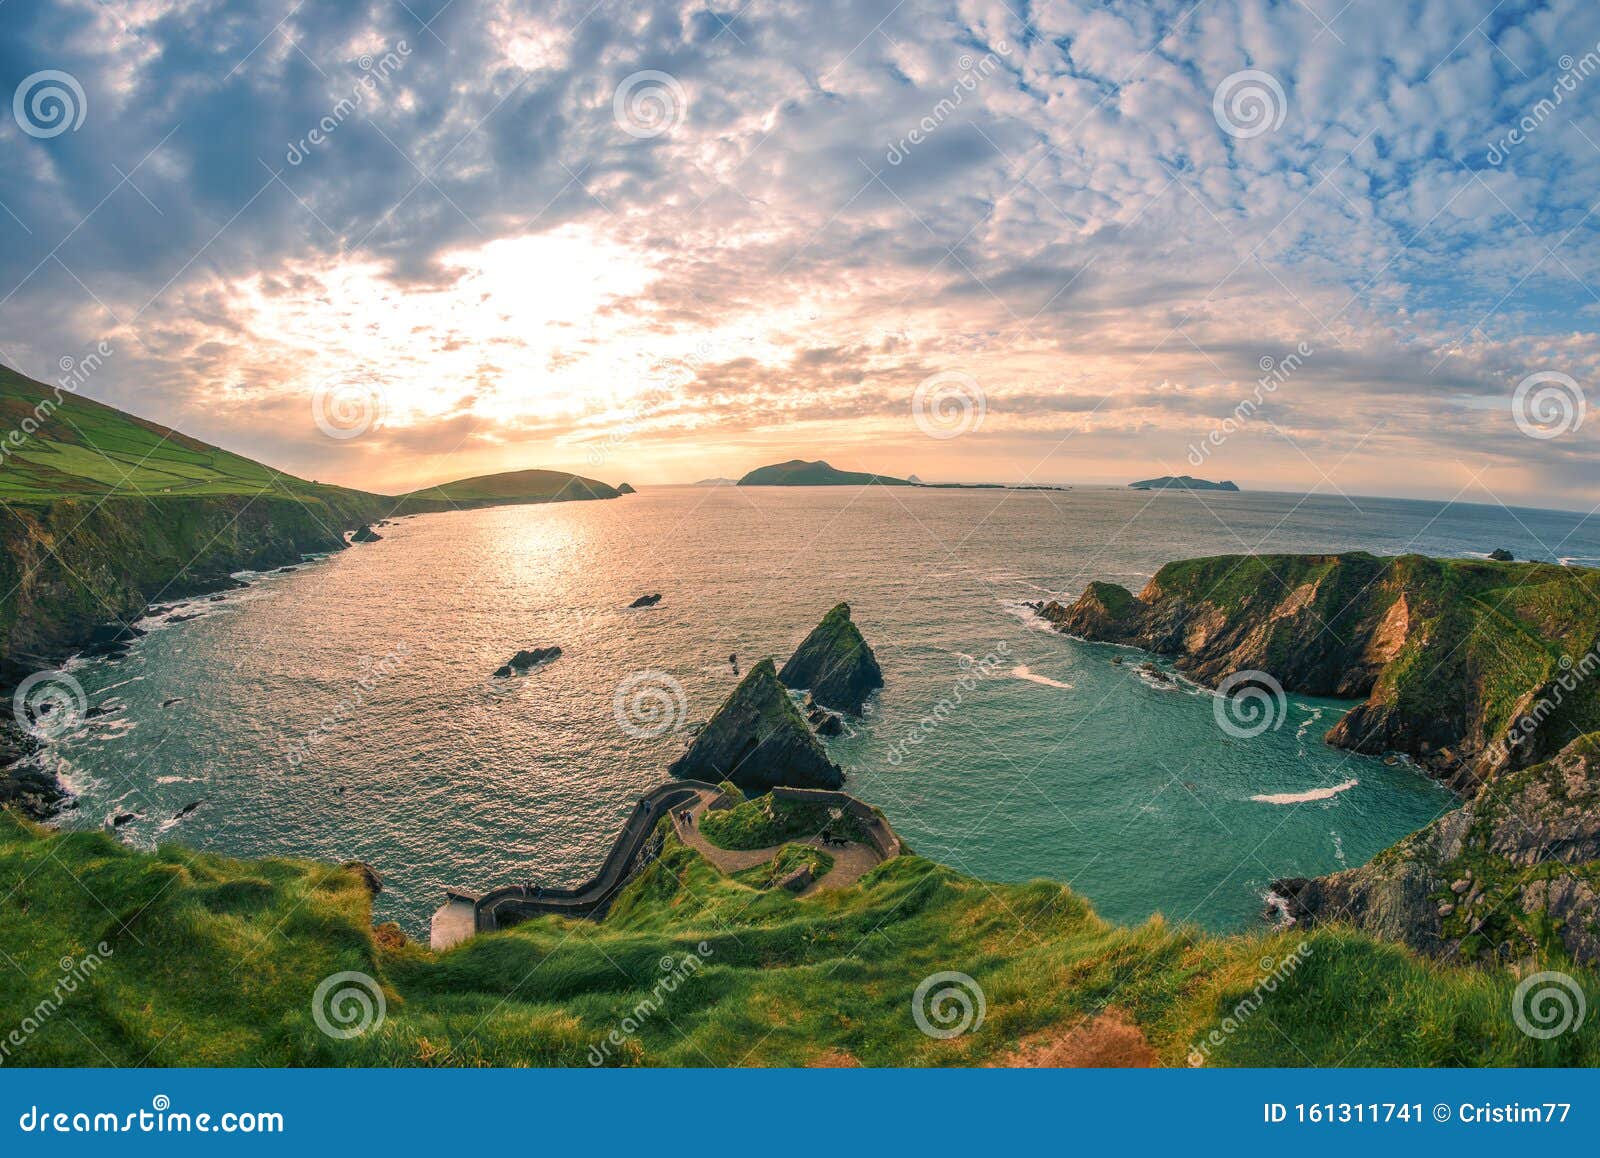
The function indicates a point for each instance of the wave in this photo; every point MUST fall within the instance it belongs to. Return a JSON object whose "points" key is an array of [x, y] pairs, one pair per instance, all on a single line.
{"points": [[1022, 673], [1305, 797], [1028, 616]]}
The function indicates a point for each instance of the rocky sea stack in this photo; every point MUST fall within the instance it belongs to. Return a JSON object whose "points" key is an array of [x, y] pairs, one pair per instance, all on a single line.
{"points": [[758, 740], [835, 663]]}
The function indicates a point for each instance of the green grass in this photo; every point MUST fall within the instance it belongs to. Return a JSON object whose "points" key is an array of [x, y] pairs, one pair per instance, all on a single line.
{"points": [[82, 448], [766, 821], [215, 962], [518, 486], [789, 858]]}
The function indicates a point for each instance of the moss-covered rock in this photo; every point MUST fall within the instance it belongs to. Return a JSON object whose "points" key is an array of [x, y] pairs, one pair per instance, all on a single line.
{"points": [[835, 663], [759, 740]]}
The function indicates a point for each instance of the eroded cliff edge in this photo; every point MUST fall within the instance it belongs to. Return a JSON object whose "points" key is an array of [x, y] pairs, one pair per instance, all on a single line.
{"points": [[1480, 671]]}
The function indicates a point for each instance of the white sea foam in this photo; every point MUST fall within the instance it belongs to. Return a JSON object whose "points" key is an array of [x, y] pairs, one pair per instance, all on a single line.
{"points": [[1022, 672], [1305, 797]]}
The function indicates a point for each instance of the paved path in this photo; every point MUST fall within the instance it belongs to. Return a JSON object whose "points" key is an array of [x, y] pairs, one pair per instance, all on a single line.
{"points": [[851, 861]]}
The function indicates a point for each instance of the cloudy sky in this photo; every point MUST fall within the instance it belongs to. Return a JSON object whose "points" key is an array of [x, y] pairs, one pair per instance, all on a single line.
{"points": [[400, 242]]}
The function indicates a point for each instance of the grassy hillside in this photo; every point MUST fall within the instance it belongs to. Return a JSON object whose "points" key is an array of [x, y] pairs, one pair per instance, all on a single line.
{"points": [[511, 487], [83, 448], [211, 961]]}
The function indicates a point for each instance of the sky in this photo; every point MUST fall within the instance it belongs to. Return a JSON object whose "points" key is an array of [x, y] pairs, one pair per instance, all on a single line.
{"points": [[1307, 246]]}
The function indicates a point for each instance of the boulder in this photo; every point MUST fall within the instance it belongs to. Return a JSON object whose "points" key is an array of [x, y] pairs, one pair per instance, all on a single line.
{"points": [[835, 662], [758, 740]]}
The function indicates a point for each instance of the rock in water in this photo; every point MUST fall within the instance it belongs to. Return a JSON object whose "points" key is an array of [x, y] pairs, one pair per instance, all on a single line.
{"points": [[835, 663], [646, 600], [759, 740], [1501, 555], [524, 660], [365, 534], [625, 489]]}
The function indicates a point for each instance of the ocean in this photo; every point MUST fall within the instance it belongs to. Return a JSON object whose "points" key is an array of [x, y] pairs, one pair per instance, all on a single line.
{"points": [[347, 710]]}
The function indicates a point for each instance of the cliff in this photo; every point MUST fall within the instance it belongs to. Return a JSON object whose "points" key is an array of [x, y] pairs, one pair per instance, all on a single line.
{"points": [[759, 740], [835, 663], [1512, 873], [1470, 667]]}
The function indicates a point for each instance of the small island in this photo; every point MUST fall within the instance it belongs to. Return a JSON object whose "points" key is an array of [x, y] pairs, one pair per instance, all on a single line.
{"points": [[1182, 482], [798, 472]]}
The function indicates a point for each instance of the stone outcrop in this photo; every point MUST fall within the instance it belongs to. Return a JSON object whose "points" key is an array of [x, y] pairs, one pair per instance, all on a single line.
{"points": [[365, 534], [758, 740], [835, 663], [524, 661], [1513, 872]]}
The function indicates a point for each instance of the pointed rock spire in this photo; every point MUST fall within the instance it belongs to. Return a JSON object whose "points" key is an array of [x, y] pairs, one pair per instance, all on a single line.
{"points": [[759, 740]]}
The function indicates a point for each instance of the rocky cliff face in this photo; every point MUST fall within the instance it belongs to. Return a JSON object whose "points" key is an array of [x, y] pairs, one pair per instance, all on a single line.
{"points": [[76, 570], [758, 740], [1463, 664], [1513, 872], [835, 663], [1482, 671], [69, 566]]}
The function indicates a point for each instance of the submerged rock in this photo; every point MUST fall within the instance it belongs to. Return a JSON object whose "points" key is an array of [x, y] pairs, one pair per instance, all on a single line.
{"points": [[646, 600], [835, 662], [759, 740]]}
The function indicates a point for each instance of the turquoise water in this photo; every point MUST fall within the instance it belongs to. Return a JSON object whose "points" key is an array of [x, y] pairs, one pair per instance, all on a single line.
{"points": [[1074, 768]]}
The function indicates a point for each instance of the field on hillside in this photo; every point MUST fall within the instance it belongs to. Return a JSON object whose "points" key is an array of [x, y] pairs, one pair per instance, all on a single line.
{"points": [[201, 960], [84, 448]]}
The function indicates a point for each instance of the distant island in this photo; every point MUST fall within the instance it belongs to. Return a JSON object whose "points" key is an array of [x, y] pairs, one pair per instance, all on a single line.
{"points": [[799, 473], [507, 489], [1181, 482], [717, 482]]}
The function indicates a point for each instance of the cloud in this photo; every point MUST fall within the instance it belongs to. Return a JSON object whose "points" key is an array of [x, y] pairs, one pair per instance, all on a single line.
{"points": [[846, 199]]}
